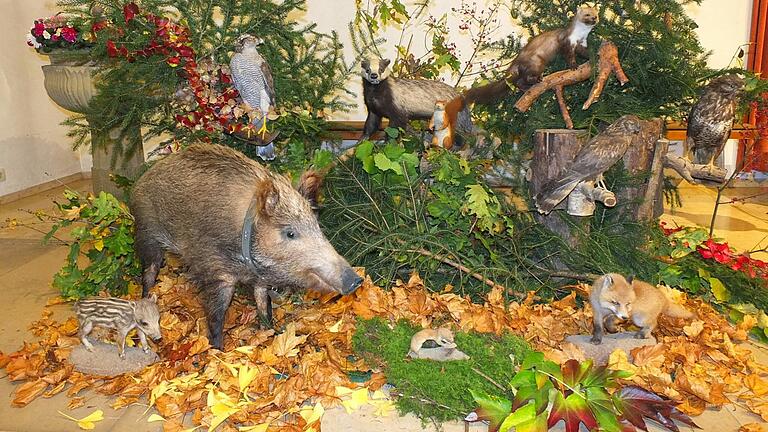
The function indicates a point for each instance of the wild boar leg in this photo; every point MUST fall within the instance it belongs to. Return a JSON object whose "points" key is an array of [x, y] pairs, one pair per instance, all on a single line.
{"points": [[217, 300], [264, 304], [151, 255]]}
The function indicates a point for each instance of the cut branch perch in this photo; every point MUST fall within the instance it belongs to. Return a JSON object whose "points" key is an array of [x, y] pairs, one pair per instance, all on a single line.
{"points": [[607, 64], [695, 173]]}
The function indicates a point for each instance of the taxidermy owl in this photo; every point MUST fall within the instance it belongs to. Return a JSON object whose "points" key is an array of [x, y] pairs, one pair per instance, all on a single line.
{"points": [[599, 154], [711, 119], [252, 78]]}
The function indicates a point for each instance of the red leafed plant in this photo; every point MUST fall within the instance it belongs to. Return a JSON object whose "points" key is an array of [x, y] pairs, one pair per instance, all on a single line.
{"points": [[579, 393], [209, 101]]}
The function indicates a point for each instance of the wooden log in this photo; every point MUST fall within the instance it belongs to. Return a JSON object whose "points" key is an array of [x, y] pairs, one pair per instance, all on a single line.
{"points": [[652, 206], [638, 161], [553, 152]]}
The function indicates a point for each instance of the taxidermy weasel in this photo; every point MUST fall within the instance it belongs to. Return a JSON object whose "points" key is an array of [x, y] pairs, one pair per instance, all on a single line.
{"points": [[441, 336], [443, 122], [615, 298], [527, 69], [402, 100]]}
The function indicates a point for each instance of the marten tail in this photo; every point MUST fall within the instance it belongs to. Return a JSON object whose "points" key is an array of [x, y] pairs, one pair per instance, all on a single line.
{"points": [[492, 92], [674, 310]]}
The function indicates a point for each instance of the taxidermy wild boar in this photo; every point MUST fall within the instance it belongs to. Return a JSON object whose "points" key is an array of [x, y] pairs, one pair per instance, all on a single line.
{"points": [[232, 221]]}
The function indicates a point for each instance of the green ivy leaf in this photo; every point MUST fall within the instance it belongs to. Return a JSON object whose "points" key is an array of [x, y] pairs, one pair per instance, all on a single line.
{"points": [[383, 163], [493, 409], [719, 290], [523, 414]]}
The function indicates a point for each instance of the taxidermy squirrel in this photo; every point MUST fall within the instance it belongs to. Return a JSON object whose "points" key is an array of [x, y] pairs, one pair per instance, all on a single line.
{"points": [[443, 122], [615, 298], [529, 65], [402, 100], [441, 336]]}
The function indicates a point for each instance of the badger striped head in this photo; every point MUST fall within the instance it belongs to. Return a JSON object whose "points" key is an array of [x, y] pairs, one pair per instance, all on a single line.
{"points": [[375, 70]]}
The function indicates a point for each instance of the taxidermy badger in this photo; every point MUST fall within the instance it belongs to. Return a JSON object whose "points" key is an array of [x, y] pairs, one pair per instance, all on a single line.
{"points": [[402, 100], [527, 69]]}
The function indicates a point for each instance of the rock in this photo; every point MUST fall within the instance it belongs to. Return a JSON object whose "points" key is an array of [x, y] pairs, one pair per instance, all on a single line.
{"points": [[104, 361], [600, 353], [441, 354]]}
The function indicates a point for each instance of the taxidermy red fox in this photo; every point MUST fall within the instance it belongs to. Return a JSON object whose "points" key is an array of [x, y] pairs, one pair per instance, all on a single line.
{"points": [[527, 69], [613, 298], [443, 122]]}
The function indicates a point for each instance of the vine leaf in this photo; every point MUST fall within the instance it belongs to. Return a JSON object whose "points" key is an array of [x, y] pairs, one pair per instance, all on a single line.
{"points": [[491, 408], [635, 402], [573, 410]]}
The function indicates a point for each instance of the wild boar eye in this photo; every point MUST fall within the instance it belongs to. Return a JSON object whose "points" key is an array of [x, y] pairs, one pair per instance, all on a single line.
{"points": [[290, 234], [143, 323]]}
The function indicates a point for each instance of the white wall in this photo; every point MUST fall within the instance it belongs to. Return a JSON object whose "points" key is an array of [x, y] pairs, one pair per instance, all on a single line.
{"points": [[34, 148]]}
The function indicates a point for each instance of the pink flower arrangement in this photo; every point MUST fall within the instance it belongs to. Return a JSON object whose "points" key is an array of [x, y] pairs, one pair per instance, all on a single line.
{"points": [[56, 32]]}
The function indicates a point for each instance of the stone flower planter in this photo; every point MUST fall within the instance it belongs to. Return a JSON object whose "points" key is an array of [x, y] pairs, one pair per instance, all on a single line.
{"points": [[69, 82]]}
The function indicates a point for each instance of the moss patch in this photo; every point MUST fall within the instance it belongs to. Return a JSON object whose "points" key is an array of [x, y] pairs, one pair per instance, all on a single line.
{"points": [[443, 383]]}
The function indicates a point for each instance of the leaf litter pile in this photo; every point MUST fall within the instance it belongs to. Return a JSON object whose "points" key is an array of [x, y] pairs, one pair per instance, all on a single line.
{"points": [[269, 381]]}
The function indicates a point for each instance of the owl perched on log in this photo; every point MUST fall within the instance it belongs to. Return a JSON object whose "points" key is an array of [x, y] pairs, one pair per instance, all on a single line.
{"points": [[252, 78], [711, 119], [599, 154]]}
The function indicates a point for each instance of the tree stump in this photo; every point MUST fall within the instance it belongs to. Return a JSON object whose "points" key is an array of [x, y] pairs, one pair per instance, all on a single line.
{"points": [[644, 201], [553, 151]]}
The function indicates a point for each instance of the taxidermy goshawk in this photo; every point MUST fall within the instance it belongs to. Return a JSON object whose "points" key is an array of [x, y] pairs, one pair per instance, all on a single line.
{"points": [[252, 78], [711, 119], [599, 154]]}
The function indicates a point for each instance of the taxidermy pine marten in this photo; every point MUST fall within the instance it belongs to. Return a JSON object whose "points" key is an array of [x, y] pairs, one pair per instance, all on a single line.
{"points": [[402, 100], [443, 122], [527, 69], [615, 298]]}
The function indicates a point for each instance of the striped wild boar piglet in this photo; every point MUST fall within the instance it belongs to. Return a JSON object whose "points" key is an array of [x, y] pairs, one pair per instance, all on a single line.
{"points": [[231, 221]]}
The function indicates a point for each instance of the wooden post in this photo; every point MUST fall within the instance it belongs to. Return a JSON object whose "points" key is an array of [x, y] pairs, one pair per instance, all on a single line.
{"points": [[638, 161], [553, 152]]}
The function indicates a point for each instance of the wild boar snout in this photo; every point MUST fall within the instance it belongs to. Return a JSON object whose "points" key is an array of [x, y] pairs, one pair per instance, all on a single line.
{"points": [[350, 281]]}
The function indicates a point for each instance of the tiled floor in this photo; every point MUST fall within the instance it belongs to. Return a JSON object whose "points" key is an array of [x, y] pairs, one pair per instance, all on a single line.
{"points": [[27, 267]]}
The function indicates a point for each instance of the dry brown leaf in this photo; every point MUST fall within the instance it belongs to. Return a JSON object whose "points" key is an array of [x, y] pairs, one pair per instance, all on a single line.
{"points": [[758, 407], [751, 427], [28, 392], [694, 329]]}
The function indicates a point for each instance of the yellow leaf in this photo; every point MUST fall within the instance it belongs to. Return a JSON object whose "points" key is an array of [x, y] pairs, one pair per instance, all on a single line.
{"points": [[618, 360], [155, 418], [245, 349], [358, 398], [694, 329], [378, 395], [221, 407], [88, 422], [245, 375], [343, 391], [751, 427], [258, 428], [98, 245], [383, 408], [336, 327], [312, 414], [758, 386]]}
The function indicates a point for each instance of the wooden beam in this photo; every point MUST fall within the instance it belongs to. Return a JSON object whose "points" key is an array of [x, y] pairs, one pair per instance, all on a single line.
{"points": [[353, 129]]}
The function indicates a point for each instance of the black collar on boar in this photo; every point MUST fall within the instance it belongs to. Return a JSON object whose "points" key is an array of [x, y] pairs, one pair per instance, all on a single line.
{"points": [[196, 204]]}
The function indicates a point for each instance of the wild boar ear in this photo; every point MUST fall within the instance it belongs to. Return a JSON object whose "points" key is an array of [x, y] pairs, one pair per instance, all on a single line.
{"points": [[268, 197], [152, 297], [309, 187]]}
